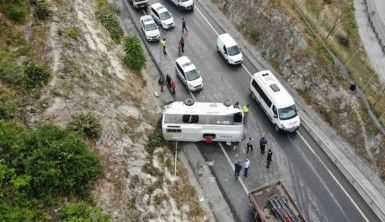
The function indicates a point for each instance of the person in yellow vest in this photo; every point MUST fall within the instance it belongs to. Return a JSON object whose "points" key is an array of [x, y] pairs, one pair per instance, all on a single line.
{"points": [[164, 44], [245, 110]]}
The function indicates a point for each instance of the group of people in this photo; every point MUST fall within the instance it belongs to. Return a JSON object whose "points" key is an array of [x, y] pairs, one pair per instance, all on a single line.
{"points": [[249, 148], [171, 84], [163, 41]]}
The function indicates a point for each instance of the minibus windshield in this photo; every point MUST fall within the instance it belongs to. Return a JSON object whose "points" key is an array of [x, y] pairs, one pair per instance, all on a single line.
{"points": [[287, 113]]}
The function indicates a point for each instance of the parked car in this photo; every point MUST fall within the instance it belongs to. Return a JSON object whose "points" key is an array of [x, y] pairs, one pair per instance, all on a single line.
{"points": [[229, 49], [150, 28], [139, 3], [188, 73], [184, 4], [162, 16]]}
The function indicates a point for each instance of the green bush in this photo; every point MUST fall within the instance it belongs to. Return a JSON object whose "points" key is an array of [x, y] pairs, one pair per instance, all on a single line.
{"points": [[134, 55], [16, 10], [73, 33], [6, 111], [105, 13], [155, 139], [11, 73], [42, 10], [61, 163], [82, 212], [58, 162], [36, 76], [87, 125]]}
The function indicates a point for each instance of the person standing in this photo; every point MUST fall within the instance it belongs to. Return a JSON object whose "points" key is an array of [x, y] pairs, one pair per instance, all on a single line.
{"points": [[269, 158], [164, 44], [249, 145], [161, 82], [236, 105], [245, 110], [168, 81], [238, 168], [173, 85], [184, 26], [262, 144], [246, 167], [181, 42]]}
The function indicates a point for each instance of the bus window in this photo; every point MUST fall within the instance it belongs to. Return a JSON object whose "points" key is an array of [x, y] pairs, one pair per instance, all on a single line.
{"points": [[190, 118], [237, 117]]}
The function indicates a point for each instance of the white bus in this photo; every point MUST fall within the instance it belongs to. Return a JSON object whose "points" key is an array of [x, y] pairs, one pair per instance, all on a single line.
{"points": [[192, 122], [275, 101]]}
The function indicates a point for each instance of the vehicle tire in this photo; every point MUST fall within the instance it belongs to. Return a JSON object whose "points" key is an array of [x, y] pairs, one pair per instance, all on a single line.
{"points": [[189, 102], [276, 128], [227, 103], [252, 95], [217, 49]]}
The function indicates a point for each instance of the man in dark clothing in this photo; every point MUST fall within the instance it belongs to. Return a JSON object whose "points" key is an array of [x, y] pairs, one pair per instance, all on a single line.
{"points": [[168, 80], [184, 26], [238, 168], [269, 158], [161, 83], [249, 145], [181, 42], [262, 144]]}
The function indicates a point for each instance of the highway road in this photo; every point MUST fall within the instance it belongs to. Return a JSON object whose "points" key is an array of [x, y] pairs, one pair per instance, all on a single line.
{"points": [[318, 188]]}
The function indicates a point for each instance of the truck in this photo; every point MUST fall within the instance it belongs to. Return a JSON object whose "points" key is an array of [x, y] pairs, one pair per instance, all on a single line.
{"points": [[273, 203]]}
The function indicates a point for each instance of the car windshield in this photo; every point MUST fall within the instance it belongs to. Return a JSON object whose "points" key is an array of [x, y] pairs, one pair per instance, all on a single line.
{"points": [[192, 75], [164, 15], [184, 0], [150, 27], [233, 50], [287, 113]]}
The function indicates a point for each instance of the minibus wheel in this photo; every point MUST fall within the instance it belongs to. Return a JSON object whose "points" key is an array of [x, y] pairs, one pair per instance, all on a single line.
{"points": [[276, 128]]}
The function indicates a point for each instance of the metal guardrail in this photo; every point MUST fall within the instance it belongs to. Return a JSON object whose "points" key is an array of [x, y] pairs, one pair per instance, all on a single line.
{"points": [[353, 180]]}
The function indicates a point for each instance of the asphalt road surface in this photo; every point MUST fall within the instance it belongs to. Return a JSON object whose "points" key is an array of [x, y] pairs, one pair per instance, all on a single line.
{"points": [[318, 188]]}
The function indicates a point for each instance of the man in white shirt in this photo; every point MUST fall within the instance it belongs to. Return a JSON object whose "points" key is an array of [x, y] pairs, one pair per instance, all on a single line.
{"points": [[246, 167]]}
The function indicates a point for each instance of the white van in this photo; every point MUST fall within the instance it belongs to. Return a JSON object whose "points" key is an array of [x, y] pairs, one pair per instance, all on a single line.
{"points": [[139, 3], [277, 103], [229, 49], [188, 73], [184, 4], [162, 16]]}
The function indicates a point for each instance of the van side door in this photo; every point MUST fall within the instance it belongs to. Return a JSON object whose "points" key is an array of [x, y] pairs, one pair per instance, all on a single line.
{"points": [[156, 15], [180, 73]]}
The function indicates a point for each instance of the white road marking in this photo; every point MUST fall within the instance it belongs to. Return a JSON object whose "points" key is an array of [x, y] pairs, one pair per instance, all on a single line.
{"points": [[199, 11], [335, 179], [232, 167]]}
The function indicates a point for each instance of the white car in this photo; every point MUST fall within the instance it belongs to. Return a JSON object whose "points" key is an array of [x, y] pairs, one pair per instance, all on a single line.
{"points": [[184, 4], [229, 49], [139, 3], [188, 73], [150, 28], [162, 16]]}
